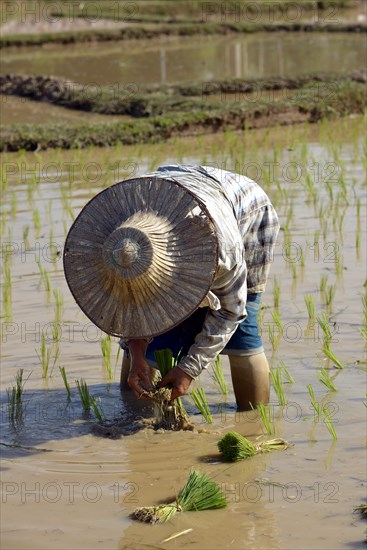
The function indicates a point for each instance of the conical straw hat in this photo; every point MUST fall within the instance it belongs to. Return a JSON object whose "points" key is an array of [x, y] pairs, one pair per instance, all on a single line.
{"points": [[141, 256]]}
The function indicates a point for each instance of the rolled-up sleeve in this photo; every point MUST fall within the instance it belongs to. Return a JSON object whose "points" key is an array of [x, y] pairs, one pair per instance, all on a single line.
{"points": [[219, 325]]}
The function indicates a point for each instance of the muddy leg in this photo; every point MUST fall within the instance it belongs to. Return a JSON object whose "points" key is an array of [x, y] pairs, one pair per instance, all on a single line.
{"points": [[250, 379]]}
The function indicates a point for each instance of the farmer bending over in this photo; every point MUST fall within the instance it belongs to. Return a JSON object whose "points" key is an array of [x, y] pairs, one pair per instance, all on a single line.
{"points": [[178, 259]]}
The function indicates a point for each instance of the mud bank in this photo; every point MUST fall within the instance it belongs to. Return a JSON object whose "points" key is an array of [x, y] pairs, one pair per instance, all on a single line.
{"points": [[179, 29], [158, 100], [348, 97]]}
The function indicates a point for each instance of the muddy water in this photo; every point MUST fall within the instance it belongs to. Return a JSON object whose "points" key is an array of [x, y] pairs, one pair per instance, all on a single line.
{"points": [[197, 58], [64, 484]]}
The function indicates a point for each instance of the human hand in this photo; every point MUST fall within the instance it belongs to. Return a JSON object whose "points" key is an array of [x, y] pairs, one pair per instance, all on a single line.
{"points": [[139, 378], [178, 380]]}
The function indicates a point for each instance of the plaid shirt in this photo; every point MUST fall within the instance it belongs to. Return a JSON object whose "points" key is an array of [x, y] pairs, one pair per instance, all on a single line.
{"points": [[247, 227]]}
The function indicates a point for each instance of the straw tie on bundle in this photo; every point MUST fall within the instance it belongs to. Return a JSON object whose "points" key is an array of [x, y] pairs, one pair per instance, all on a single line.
{"points": [[199, 493], [233, 446]]}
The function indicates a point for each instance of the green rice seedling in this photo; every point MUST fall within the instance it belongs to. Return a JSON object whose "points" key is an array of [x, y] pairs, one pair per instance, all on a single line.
{"points": [[323, 282], [201, 401], [329, 295], [339, 264], [7, 290], [325, 379], [25, 236], [294, 271], [323, 322], [84, 394], [285, 373], [45, 277], [199, 493], [266, 416], [15, 398], [315, 404], [276, 318], [65, 379], [310, 305], [106, 354], [45, 356], [363, 328], [218, 376], [234, 447], [37, 222], [329, 423], [278, 385], [96, 404], [59, 305], [273, 339], [276, 292], [327, 351]]}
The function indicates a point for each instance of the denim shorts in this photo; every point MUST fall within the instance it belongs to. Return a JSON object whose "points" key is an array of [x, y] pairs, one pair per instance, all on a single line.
{"points": [[245, 341]]}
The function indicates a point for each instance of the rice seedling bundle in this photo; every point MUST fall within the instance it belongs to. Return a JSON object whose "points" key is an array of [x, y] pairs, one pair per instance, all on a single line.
{"points": [[199, 493], [171, 415], [234, 447]]}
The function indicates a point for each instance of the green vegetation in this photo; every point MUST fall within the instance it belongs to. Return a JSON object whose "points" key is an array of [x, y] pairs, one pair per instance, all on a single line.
{"points": [[266, 416], [278, 385], [218, 376], [310, 304], [349, 97], [234, 447], [199, 493], [201, 401], [15, 399], [65, 379], [326, 379]]}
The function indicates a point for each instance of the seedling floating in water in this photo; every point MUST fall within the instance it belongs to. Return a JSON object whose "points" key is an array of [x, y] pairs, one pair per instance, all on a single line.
{"points": [[234, 447], [199, 493]]}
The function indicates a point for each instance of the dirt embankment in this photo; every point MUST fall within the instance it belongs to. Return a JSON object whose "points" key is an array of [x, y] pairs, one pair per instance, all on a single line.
{"points": [[179, 29], [163, 99], [309, 104]]}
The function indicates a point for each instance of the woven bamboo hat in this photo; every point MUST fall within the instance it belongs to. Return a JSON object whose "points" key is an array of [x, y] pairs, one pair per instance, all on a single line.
{"points": [[141, 256]]}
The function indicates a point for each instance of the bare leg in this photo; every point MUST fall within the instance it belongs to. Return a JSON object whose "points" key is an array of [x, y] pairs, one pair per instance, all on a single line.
{"points": [[250, 379]]}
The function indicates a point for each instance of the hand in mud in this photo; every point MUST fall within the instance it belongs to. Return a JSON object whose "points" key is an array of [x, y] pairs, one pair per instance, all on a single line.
{"points": [[178, 380], [139, 378]]}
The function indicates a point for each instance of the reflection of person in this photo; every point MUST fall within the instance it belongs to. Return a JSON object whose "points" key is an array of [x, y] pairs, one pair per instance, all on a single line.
{"points": [[228, 323], [182, 258]]}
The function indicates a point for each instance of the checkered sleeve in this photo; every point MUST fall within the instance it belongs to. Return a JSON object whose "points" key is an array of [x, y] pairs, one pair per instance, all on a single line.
{"points": [[219, 325]]}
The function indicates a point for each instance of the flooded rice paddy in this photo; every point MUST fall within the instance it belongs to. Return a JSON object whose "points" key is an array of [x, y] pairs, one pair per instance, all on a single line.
{"points": [[65, 483], [169, 60]]}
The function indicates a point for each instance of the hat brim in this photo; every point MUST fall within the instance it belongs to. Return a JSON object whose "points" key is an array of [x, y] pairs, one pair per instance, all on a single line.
{"points": [[180, 277]]}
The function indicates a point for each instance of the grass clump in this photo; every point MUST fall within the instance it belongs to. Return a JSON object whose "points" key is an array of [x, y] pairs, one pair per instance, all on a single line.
{"points": [[310, 304], [88, 401], [199, 493], [234, 447]]}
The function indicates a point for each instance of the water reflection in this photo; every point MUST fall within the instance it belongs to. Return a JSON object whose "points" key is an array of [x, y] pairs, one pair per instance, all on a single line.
{"points": [[200, 58]]}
